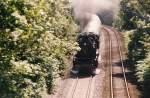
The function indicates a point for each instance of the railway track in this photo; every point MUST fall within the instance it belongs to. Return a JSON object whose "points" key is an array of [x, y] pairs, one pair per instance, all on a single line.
{"points": [[113, 34], [88, 86], [79, 84], [76, 88]]}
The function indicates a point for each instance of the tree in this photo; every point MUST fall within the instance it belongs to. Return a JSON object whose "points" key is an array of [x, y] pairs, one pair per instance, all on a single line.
{"points": [[36, 38], [135, 20]]}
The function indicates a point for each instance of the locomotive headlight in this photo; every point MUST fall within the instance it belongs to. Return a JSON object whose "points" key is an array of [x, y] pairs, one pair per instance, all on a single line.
{"points": [[84, 44]]}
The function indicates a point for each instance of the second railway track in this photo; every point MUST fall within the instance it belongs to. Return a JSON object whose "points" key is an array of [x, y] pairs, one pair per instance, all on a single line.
{"points": [[118, 87]]}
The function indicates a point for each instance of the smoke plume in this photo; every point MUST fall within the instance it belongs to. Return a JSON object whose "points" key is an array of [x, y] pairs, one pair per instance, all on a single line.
{"points": [[84, 10], [92, 25]]}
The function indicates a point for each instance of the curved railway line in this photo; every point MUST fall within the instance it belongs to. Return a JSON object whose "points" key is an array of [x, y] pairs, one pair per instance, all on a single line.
{"points": [[112, 79]]}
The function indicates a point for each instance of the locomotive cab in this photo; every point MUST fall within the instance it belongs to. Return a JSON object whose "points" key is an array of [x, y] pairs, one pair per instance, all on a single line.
{"points": [[87, 58]]}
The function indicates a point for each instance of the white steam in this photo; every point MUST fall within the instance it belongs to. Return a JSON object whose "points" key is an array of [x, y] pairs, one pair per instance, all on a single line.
{"points": [[85, 11], [93, 25]]}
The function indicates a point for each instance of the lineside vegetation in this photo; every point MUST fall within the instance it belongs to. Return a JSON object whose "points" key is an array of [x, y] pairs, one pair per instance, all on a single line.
{"points": [[135, 22], [36, 38]]}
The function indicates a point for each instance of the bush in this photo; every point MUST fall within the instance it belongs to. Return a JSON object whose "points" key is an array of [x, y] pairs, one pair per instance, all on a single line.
{"points": [[138, 47], [135, 19], [36, 38], [143, 73]]}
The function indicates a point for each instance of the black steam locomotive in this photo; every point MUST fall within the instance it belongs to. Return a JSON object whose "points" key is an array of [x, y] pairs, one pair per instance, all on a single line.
{"points": [[87, 58]]}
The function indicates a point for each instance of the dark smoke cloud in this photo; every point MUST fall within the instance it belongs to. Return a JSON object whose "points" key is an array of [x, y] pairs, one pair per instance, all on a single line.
{"points": [[107, 10]]}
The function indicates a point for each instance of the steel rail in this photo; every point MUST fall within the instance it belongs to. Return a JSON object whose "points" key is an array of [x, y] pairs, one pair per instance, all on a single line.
{"points": [[74, 87], [122, 63], [89, 87], [121, 59], [110, 63]]}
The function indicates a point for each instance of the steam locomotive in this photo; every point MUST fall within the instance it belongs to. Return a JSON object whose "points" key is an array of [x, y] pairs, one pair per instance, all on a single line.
{"points": [[87, 58]]}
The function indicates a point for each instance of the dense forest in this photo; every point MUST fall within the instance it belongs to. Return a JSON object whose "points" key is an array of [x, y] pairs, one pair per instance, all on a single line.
{"points": [[134, 21], [36, 38]]}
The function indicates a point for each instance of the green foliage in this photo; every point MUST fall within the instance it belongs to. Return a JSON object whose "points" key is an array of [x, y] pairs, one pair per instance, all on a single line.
{"points": [[143, 73], [142, 67], [139, 45], [36, 38], [134, 14], [135, 20]]}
